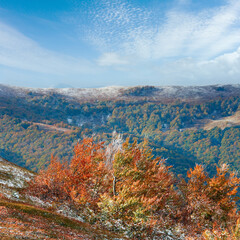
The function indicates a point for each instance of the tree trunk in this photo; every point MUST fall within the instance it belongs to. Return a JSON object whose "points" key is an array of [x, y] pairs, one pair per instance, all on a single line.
{"points": [[114, 186]]}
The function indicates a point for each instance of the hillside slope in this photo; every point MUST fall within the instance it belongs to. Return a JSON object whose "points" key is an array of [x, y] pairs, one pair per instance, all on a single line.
{"points": [[222, 123], [12, 179], [24, 217]]}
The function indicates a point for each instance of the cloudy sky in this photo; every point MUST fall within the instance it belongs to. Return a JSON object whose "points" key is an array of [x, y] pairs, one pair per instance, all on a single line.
{"points": [[97, 43]]}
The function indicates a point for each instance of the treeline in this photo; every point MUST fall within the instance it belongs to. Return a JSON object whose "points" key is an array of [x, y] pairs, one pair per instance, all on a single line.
{"points": [[124, 188]]}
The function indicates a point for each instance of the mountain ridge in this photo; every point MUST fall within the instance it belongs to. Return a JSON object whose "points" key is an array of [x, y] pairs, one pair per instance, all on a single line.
{"points": [[151, 93]]}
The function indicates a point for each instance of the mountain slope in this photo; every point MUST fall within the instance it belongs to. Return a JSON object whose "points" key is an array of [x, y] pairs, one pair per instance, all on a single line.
{"points": [[24, 221], [222, 123], [12, 179], [21, 216]]}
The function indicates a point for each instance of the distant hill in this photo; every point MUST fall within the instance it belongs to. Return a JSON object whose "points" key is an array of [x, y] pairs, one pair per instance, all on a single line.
{"points": [[151, 93]]}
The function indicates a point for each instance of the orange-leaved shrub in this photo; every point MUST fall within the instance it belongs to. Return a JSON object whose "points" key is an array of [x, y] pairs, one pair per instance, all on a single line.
{"points": [[211, 201], [80, 182]]}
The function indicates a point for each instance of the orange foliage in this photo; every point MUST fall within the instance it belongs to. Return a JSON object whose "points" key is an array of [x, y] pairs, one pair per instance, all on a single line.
{"points": [[147, 178], [212, 201], [85, 176], [139, 189], [49, 183], [80, 182]]}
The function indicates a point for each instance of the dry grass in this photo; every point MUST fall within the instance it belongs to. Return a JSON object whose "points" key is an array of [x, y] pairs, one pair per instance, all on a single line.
{"points": [[48, 127], [23, 221], [222, 123], [207, 124]]}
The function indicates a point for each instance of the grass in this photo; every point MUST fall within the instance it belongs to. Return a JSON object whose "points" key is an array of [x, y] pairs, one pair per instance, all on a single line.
{"points": [[5, 176], [58, 219]]}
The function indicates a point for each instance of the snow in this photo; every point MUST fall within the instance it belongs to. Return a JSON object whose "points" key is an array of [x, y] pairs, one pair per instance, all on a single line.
{"points": [[116, 92], [12, 176], [37, 201], [69, 120], [67, 212]]}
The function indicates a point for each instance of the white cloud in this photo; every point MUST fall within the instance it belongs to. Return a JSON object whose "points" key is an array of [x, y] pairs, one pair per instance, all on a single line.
{"points": [[223, 70], [111, 59], [19, 51], [136, 46], [182, 48], [122, 28]]}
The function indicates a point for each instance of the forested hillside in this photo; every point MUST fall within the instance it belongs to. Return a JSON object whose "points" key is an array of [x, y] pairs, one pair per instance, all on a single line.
{"points": [[38, 123]]}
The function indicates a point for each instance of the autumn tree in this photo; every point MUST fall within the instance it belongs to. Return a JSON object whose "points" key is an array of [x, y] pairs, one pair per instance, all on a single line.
{"points": [[223, 234], [114, 147], [85, 176], [144, 192], [48, 184], [81, 182], [211, 201]]}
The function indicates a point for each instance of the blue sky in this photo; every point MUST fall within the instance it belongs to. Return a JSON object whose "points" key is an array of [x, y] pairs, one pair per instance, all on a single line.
{"points": [[51, 43]]}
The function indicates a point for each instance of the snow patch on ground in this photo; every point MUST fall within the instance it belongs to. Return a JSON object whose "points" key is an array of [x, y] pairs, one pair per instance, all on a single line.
{"points": [[12, 178], [17, 176], [37, 201], [67, 212]]}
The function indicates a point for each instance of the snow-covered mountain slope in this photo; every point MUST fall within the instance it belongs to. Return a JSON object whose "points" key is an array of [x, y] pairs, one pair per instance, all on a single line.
{"points": [[12, 179], [130, 93]]}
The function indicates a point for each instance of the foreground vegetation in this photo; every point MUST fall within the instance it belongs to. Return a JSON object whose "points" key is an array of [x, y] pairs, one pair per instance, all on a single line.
{"points": [[123, 188], [24, 221]]}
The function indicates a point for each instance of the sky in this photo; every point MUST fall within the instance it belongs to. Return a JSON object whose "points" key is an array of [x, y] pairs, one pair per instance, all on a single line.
{"points": [[99, 43]]}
